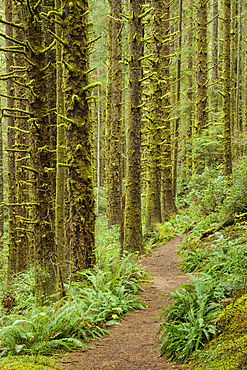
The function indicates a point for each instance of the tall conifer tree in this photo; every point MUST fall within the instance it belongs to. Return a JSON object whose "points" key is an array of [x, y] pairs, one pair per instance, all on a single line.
{"points": [[155, 118], [133, 225], [168, 203], [226, 89], [79, 136], [115, 155], [201, 107]]}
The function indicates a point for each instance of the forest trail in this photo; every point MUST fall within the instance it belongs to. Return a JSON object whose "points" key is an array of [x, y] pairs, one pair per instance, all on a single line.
{"points": [[131, 344]]}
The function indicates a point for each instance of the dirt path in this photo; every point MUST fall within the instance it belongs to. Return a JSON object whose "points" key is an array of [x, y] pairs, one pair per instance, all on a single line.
{"points": [[132, 345]]}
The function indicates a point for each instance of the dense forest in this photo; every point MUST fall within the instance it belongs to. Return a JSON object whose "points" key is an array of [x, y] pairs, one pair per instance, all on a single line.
{"points": [[123, 124]]}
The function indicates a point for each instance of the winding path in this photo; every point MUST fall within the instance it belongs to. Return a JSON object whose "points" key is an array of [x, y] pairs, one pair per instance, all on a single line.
{"points": [[132, 344]]}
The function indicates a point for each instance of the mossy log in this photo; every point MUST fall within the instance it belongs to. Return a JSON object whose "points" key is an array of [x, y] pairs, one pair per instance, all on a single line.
{"points": [[229, 221]]}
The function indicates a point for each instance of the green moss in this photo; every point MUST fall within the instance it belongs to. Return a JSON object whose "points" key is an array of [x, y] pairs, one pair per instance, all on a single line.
{"points": [[165, 232], [27, 363], [26, 366], [227, 351]]}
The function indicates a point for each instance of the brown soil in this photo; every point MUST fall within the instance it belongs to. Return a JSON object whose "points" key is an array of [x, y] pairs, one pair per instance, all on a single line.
{"points": [[132, 344]]}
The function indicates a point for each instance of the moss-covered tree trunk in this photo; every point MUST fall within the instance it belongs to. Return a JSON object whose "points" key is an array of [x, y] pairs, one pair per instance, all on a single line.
{"points": [[79, 136], [133, 225], [245, 86], [238, 82], [60, 163], [1, 182], [49, 5], [12, 253], [201, 107], [178, 85], [108, 107], [226, 90], [155, 119], [40, 168], [215, 71], [22, 159], [233, 33], [190, 94], [168, 203], [115, 162]]}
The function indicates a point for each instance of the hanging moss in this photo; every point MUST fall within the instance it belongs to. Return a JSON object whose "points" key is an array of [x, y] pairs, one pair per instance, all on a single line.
{"points": [[201, 105], [81, 222], [168, 202], [115, 154], [155, 120], [39, 169], [133, 225], [226, 119], [108, 107]]}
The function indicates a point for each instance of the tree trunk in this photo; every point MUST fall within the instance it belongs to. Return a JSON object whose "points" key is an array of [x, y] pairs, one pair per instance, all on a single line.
{"points": [[133, 225], [22, 159], [1, 182], [60, 162], [115, 160], [215, 73], [178, 84], [237, 124], [233, 62], [79, 137], [226, 91], [201, 107], [155, 119], [168, 203], [43, 212], [12, 255], [108, 107]]}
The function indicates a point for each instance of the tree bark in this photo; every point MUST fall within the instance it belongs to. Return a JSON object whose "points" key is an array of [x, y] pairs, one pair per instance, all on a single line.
{"points": [[40, 155], [168, 203], [133, 226], [115, 159], [226, 91], [201, 106], [79, 137], [155, 119], [12, 253]]}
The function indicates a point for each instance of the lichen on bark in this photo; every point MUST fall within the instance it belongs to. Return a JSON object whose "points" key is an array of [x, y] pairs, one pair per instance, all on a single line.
{"points": [[40, 158], [81, 240], [133, 226], [226, 90], [115, 155], [155, 120], [168, 203]]}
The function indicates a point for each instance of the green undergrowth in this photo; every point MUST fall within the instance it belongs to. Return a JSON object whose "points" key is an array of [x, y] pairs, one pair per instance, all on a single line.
{"points": [[91, 306], [204, 324], [217, 270]]}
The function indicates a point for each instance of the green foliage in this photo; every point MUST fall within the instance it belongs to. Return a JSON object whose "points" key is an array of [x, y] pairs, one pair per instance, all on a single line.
{"points": [[236, 194], [190, 320], [207, 190], [103, 294], [162, 234]]}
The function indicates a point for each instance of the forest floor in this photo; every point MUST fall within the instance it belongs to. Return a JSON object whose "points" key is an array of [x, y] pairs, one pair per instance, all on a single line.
{"points": [[132, 345]]}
